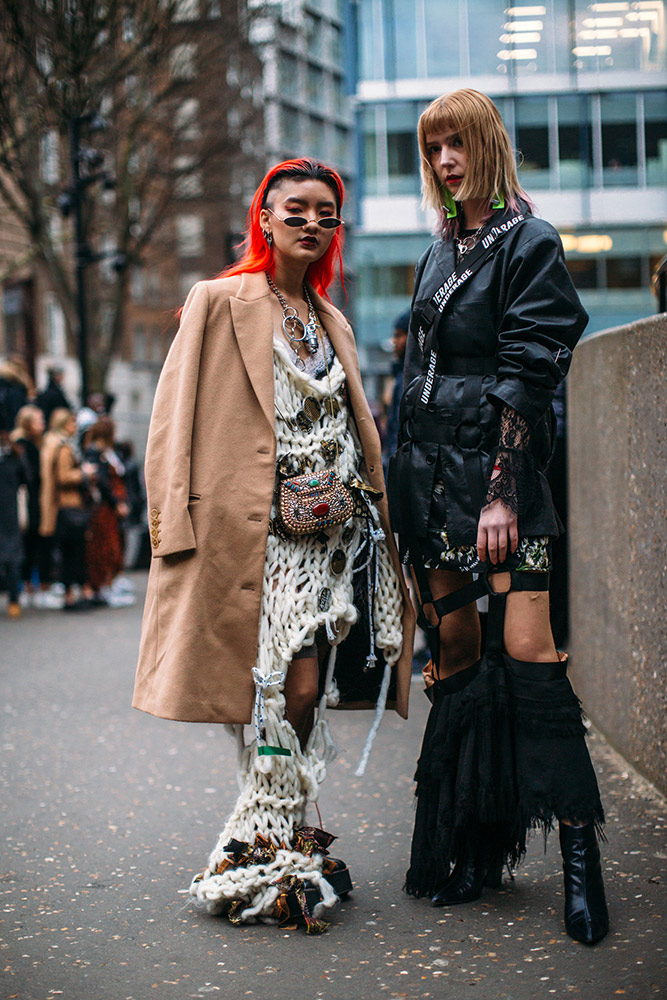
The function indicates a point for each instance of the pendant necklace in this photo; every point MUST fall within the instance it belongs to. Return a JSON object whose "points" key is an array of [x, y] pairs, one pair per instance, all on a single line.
{"points": [[296, 331], [465, 243]]}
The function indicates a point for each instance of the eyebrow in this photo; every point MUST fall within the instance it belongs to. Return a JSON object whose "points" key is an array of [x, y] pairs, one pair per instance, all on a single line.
{"points": [[301, 201]]}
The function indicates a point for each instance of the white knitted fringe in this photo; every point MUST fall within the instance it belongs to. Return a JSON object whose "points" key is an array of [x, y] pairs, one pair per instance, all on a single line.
{"points": [[275, 790]]}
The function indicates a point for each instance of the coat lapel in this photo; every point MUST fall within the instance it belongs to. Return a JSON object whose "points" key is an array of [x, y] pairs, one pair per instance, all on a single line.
{"points": [[253, 328]]}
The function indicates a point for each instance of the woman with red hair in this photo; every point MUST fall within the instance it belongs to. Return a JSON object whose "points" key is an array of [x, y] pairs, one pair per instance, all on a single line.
{"points": [[275, 590]]}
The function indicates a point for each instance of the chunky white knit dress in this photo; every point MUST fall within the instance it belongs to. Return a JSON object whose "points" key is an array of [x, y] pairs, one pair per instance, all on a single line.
{"points": [[301, 593]]}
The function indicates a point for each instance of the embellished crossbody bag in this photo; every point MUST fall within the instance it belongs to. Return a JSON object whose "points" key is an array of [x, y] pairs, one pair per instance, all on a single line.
{"points": [[310, 502]]}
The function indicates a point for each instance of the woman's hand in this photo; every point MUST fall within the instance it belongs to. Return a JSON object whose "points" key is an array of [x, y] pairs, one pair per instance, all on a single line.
{"points": [[497, 532]]}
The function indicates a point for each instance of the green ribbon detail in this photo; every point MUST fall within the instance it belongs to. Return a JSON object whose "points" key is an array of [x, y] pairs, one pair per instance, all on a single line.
{"points": [[267, 751]]}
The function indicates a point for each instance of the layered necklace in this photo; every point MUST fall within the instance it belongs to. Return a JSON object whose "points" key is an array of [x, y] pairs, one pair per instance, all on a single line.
{"points": [[296, 331], [464, 244]]}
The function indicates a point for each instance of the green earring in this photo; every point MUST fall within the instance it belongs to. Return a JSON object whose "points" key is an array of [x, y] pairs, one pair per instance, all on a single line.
{"points": [[449, 204], [498, 201]]}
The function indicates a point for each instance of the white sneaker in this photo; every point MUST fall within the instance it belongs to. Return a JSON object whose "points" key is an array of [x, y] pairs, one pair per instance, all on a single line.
{"points": [[48, 599]]}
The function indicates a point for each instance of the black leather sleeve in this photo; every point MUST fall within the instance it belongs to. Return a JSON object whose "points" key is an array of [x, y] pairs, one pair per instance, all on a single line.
{"points": [[541, 324]]}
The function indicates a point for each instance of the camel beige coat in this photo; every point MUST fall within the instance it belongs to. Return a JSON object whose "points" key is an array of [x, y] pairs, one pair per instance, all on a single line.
{"points": [[210, 472]]}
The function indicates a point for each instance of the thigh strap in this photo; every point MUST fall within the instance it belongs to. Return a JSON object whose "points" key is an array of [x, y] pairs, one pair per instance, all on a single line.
{"points": [[481, 587]]}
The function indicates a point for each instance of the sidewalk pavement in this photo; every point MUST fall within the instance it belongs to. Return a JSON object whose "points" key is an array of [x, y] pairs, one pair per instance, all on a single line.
{"points": [[107, 814]]}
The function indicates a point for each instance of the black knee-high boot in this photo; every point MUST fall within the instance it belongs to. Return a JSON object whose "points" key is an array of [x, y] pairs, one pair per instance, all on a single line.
{"points": [[556, 780]]}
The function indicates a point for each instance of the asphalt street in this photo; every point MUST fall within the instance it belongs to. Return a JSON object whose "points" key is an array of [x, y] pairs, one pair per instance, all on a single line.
{"points": [[107, 814]]}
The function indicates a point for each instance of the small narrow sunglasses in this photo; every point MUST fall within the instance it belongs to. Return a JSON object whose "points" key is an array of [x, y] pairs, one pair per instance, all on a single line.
{"points": [[297, 221]]}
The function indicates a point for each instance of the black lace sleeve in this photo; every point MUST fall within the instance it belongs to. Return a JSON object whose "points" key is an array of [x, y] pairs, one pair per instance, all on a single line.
{"points": [[512, 476]]}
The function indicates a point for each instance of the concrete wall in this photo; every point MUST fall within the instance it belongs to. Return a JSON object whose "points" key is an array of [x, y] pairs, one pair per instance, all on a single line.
{"points": [[617, 459]]}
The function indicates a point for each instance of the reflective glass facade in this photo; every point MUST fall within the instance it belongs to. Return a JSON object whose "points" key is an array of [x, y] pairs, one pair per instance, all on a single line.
{"points": [[582, 88]]}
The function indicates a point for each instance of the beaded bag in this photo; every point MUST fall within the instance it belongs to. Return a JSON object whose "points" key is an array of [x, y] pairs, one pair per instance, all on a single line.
{"points": [[316, 500]]}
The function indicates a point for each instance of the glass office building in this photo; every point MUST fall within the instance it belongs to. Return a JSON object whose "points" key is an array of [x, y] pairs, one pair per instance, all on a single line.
{"points": [[582, 87]]}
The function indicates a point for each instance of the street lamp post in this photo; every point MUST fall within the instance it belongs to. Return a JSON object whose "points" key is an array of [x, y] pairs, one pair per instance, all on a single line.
{"points": [[73, 200], [82, 252]]}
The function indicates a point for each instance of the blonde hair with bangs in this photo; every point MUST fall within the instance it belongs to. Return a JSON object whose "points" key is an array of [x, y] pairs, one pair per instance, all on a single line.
{"points": [[491, 167]]}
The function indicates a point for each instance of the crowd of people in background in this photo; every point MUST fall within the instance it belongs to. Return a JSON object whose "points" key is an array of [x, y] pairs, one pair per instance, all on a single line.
{"points": [[71, 498]]}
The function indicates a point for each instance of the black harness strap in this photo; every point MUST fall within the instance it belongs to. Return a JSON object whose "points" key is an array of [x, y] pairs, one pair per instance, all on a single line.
{"points": [[470, 592]]}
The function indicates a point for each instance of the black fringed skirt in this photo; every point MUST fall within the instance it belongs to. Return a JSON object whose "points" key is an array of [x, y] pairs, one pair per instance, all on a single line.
{"points": [[504, 752]]}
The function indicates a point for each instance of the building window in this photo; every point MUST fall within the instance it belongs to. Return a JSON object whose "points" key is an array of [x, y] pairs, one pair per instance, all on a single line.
{"points": [[655, 132], [619, 139], [382, 281], [49, 157], [189, 235], [400, 39], [56, 340], [402, 149], [186, 281], [189, 183], [532, 138], [290, 130], [314, 137], [313, 35], [183, 61], [315, 87], [288, 75], [187, 120], [585, 273], [575, 141], [624, 272], [486, 23], [137, 284], [186, 10], [619, 36], [139, 343], [442, 39]]}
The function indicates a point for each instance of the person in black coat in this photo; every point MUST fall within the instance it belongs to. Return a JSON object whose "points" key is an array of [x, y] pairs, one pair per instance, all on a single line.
{"points": [[27, 436], [52, 396], [14, 472], [494, 320]]}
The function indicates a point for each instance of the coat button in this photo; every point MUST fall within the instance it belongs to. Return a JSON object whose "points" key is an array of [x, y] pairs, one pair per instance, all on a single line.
{"points": [[430, 459]]}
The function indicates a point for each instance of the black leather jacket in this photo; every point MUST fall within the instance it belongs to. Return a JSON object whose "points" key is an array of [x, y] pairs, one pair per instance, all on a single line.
{"points": [[504, 338]]}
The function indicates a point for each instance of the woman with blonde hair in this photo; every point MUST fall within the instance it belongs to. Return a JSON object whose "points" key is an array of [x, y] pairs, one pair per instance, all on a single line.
{"points": [[64, 506], [275, 588], [494, 320]]}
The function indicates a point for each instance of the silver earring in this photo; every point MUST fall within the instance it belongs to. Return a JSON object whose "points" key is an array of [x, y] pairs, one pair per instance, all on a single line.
{"points": [[268, 236]]}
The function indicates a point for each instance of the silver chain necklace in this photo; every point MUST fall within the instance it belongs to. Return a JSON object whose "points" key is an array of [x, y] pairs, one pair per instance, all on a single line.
{"points": [[293, 325], [466, 243]]}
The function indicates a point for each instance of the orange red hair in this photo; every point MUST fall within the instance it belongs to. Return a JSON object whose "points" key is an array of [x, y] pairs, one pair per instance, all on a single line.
{"points": [[258, 255]]}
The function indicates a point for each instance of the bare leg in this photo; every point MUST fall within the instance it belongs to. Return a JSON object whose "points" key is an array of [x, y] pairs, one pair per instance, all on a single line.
{"points": [[460, 635], [301, 686], [527, 633]]}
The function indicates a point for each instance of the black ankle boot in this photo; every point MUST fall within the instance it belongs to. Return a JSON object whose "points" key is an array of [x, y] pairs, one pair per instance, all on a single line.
{"points": [[586, 916]]}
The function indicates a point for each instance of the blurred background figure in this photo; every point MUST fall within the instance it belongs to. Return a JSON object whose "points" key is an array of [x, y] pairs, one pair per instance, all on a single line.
{"points": [[52, 396], [137, 539], [13, 473], [399, 339], [66, 484], [27, 437], [16, 389], [104, 544]]}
